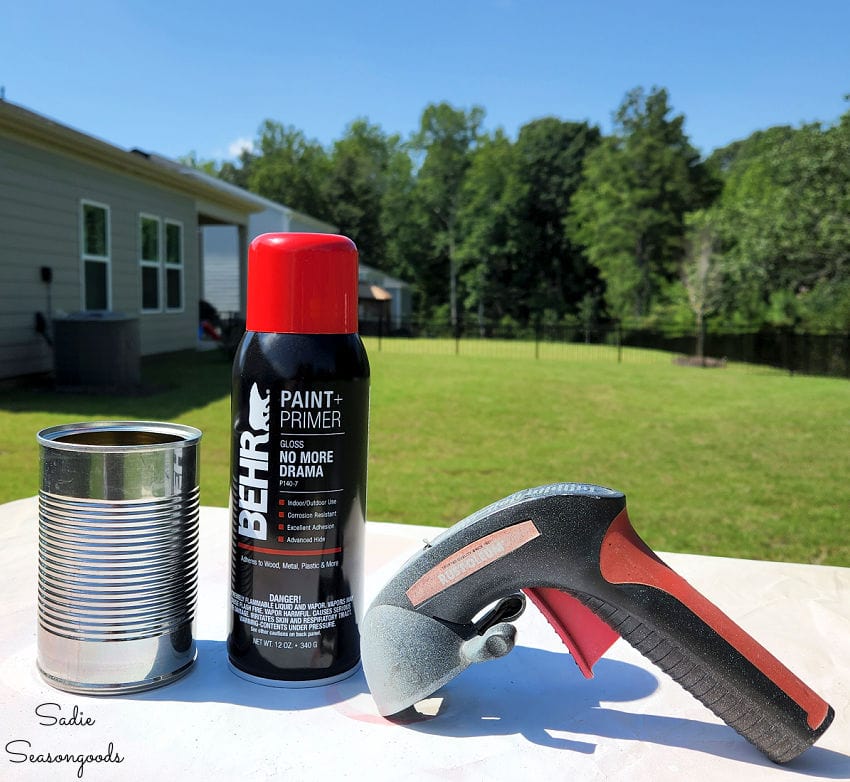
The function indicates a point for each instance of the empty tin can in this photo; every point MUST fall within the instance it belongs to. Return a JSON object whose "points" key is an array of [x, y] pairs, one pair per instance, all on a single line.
{"points": [[118, 554]]}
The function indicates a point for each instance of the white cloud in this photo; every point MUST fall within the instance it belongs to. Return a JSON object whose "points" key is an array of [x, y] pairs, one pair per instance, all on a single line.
{"points": [[236, 147]]}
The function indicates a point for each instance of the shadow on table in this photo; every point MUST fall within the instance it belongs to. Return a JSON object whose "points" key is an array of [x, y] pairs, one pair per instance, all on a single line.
{"points": [[541, 696], [531, 692]]}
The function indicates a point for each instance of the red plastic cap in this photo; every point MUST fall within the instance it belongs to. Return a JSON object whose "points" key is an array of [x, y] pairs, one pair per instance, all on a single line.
{"points": [[302, 284]]}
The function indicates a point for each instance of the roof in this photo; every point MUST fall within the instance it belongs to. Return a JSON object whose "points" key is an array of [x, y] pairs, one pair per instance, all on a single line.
{"points": [[374, 275], [36, 129], [374, 292], [303, 217]]}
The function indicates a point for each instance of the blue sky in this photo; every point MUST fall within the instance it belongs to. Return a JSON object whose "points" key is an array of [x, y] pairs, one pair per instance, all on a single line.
{"points": [[174, 77]]}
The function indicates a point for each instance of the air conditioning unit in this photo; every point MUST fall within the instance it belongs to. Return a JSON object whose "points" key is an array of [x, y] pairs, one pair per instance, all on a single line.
{"points": [[97, 350]]}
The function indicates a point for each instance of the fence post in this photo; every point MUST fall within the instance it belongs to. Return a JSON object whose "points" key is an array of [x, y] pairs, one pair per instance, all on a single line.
{"points": [[619, 343], [846, 356], [537, 335], [787, 358], [806, 349]]}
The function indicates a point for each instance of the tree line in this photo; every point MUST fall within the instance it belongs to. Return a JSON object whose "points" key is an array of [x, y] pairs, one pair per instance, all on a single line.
{"points": [[565, 224]]}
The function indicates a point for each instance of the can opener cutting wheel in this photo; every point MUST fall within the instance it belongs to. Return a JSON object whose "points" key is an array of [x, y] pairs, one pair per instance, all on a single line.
{"points": [[571, 549]]}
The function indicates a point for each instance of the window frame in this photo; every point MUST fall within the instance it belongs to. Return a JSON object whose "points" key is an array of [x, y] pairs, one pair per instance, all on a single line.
{"points": [[86, 257], [148, 263], [179, 267]]}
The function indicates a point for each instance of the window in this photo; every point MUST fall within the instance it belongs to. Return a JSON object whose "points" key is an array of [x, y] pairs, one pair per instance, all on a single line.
{"points": [[161, 263], [173, 265], [149, 242], [94, 219]]}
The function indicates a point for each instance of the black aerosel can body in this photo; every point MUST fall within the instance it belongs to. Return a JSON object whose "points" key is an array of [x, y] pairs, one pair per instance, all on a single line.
{"points": [[300, 419]]}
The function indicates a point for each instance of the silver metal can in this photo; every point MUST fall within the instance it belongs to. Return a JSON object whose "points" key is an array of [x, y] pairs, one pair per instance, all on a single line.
{"points": [[118, 554]]}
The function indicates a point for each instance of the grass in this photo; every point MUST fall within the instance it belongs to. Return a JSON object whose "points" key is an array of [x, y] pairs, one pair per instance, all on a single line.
{"points": [[725, 461]]}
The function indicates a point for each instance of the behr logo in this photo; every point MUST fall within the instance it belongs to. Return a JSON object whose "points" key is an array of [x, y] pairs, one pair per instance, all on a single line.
{"points": [[253, 491], [258, 415]]}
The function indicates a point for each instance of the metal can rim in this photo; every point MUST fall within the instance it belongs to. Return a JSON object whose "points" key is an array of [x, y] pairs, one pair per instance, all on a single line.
{"points": [[186, 435]]}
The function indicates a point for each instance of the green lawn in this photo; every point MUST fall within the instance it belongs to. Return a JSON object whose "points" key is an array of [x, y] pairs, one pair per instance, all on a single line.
{"points": [[730, 462]]}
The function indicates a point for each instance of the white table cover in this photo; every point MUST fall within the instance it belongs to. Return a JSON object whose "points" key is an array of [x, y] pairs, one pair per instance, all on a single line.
{"points": [[530, 715]]}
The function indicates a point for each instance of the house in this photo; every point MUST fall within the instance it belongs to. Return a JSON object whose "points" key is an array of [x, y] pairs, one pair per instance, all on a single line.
{"points": [[86, 226], [220, 248], [97, 238], [385, 303]]}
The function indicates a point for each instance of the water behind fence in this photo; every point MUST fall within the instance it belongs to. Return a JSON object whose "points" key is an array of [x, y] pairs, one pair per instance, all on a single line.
{"points": [[794, 352]]}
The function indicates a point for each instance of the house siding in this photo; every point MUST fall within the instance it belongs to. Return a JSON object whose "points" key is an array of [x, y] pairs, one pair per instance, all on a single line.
{"points": [[40, 196], [221, 267]]}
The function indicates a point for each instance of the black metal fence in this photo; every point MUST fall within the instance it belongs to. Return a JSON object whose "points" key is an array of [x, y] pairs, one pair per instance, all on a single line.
{"points": [[792, 351], [779, 348]]}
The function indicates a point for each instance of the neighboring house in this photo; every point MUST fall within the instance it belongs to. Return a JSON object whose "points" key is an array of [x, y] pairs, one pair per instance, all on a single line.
{"points": [[88, 226], [221, 258], [385, 302]]}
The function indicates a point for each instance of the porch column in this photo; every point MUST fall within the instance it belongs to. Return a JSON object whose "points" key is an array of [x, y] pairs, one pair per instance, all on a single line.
{"points": [[242, 243]]}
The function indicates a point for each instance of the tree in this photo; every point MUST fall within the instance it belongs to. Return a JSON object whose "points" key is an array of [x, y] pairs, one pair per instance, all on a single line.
{"points": [[355, 188], [192, 160], [492, 267], [288, 168], [784, 225], [629, 211], [746, 217], [401, 223], [515, 258], [701, 273], [551, 156], [445, 140]]}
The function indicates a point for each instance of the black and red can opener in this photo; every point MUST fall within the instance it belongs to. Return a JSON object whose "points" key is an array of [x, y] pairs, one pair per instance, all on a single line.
{"points": [[571, 549]]}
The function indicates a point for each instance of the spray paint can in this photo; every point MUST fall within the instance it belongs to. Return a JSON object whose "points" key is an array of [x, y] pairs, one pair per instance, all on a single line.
{"points": [[300, 414]]}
